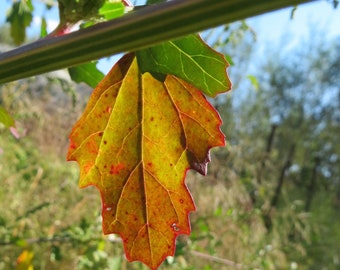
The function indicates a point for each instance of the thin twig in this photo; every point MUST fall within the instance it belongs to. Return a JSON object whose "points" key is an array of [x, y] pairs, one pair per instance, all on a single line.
{"points": [[216, 259]]}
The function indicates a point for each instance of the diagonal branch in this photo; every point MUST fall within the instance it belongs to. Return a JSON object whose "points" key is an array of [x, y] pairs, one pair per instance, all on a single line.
{"points": [[140, 29], [216, 259]]}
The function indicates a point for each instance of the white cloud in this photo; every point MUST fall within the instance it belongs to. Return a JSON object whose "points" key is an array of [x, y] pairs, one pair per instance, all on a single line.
{"points": [[36, 24]]}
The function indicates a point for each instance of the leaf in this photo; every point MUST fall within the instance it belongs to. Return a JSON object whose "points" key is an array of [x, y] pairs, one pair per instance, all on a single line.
{"points": [[87, 73], [20, 17], [135, 141], [190, 59], [5, 118], [43, 28], [254, 82], [112, 10], [24, 261]]}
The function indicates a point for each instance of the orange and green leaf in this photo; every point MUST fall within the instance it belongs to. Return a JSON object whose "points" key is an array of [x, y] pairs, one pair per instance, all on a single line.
{"points": [[24, 261], [135, 141]]}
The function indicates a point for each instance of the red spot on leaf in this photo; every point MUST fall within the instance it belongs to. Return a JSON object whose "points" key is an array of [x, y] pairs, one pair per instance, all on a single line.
{"points": [[72, 145], [115, 169], [88, 166]]}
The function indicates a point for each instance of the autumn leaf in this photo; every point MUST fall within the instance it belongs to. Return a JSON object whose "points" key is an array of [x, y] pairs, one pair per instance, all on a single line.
{"points": [[24, 261], [135, 141]]}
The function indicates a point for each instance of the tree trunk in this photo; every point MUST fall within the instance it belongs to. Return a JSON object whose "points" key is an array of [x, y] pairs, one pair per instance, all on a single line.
{"points": [[270, 140], [274, 201], [312, 185]]}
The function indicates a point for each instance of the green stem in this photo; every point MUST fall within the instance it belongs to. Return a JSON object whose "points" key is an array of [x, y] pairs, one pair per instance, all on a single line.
{"points": [[132, 32]]}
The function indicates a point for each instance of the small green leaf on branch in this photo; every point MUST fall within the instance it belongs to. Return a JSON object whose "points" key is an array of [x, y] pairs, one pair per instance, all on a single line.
{"points": [[190, 59], [87, 73], [43, 28], [112, 10]]}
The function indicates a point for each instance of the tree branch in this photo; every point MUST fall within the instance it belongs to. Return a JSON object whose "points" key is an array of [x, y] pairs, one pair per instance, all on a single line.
{"points": [[134, 31]]}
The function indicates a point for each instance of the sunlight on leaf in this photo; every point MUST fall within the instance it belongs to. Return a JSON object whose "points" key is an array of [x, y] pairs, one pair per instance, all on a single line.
{"points": [[112, 10], [135, 141], [190, 59]]}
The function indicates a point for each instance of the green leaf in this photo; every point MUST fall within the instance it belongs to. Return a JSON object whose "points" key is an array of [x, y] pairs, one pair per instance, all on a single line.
{"points": [[43, 28], [229, 59], [5, 118], [87, 73], [190, 59], [112, 10], [254, 82], [20, 17]]}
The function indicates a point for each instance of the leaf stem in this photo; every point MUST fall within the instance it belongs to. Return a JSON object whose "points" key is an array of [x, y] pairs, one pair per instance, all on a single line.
{"points": [[140, 29]]}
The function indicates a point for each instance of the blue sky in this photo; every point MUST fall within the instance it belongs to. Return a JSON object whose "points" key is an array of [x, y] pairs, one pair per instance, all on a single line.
{"points": [[270, 28]]}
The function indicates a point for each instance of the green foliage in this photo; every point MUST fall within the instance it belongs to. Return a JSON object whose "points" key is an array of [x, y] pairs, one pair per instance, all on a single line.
{"points": [[5, 118], [111, 10], [188, 58], [20, 17], [43, 28], [87, 73]]}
